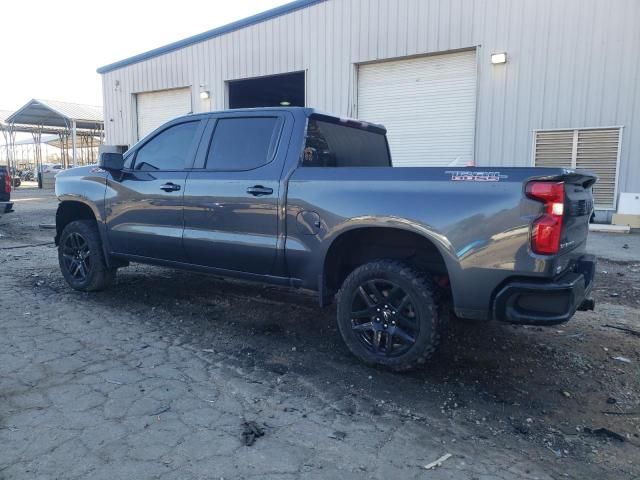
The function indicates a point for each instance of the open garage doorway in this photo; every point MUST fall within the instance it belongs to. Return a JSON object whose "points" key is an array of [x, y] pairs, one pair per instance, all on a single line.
{"points": [[276, 90]]}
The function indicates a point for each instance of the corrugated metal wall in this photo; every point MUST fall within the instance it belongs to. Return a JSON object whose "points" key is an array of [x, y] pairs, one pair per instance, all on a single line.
{"points": [[572, 63]]}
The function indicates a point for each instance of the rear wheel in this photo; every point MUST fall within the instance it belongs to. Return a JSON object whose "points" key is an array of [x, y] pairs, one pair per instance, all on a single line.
{"points": [[388, 315], [81, 257]]}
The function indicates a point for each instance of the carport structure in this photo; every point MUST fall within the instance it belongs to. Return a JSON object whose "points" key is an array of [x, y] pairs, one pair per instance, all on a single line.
{"points": [[76, 125]]}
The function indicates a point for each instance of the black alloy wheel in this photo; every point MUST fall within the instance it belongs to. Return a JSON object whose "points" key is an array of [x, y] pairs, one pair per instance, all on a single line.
{"points": [[384, 317], [389, 315], [76, 254], [81, 257]]}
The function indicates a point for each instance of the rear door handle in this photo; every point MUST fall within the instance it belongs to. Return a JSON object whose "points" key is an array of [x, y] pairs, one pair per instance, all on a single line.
{"points": [[170, 187], [259, 190]]}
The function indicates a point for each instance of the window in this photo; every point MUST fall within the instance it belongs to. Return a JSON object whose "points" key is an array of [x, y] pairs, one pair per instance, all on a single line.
{"points": [[592, 149], [168, 150], [334, 145], [243, 143]]}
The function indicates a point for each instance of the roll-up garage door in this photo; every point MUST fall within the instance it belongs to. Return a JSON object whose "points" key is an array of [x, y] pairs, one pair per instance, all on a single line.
{"points": [[156, 108], [427, 104]]}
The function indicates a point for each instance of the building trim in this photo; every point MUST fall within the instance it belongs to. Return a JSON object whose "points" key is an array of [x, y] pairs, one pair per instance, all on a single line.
{"points": [[605, 127], [216, 32], [616, 192]]}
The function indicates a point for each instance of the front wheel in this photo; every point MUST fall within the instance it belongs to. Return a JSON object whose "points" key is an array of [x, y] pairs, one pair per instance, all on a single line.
{"points": [[81, 258], [388, 315]]}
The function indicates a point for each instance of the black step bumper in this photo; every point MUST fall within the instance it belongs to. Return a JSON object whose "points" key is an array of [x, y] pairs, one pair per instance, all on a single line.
{"points": [[530, 302]]}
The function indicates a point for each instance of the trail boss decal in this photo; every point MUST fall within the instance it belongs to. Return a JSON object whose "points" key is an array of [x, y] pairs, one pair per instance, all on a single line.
{"points": [[469, 176]]}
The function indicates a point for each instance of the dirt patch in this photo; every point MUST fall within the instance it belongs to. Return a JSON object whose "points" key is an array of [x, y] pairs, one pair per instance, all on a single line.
{"points": [[618, 282]]}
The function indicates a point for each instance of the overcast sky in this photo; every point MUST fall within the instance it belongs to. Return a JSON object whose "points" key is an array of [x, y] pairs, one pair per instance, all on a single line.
{"points": [[51, 48]]}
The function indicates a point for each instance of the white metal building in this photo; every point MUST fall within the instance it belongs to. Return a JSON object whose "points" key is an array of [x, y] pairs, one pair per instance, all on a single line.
{"points": [[567, 95]]}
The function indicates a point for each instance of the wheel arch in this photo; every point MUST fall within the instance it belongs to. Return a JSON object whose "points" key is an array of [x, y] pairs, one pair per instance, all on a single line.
{"points": [[70, 210], [420, 247], [73, 208]]}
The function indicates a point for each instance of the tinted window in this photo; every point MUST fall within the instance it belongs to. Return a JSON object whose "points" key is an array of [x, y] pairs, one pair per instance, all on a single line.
{"points": [[168, 150], [334, 145], [243, 143]]}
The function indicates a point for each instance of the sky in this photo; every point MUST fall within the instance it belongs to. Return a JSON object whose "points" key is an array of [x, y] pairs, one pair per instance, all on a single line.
{"points": [[51, 49]]}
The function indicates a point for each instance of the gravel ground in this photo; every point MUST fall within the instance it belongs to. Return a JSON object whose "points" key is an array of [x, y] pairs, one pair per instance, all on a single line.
{"points": [[172, 374]]}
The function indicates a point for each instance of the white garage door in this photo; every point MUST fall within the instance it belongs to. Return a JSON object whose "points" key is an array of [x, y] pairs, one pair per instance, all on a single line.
{"points": [[427, 104], [155, 108]]}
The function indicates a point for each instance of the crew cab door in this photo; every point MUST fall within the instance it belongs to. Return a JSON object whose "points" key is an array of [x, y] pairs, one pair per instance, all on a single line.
{"points": [[145, 201], [233, 193]]}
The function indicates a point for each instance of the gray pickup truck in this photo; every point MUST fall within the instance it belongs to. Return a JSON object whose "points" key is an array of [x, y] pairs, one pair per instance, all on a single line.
{"points": [[294, 197]]}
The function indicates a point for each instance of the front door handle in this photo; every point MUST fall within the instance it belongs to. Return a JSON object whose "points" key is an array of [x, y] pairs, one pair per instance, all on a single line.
{"points": [[259, 190], [170, 187]]}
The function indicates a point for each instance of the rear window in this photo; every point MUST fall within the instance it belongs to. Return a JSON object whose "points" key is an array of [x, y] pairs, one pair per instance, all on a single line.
{"points": [[240, 144], [331, 144]]}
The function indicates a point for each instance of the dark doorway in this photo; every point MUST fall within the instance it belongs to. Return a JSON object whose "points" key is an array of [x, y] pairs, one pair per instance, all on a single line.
{"points": [[276, 90]]}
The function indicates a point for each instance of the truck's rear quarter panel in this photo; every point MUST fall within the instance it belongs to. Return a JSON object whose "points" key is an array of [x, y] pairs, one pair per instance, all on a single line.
{"points": [[480, 226]]}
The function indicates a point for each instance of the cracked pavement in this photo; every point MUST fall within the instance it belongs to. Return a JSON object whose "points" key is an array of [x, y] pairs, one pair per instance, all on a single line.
{"points": [[106, 396], [155, 378]]}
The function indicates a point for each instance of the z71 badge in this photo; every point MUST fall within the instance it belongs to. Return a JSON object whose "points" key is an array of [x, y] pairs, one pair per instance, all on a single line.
{"points": [[470, 176]]}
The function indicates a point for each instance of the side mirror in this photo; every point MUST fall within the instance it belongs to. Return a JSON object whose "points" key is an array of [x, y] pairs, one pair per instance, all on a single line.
{"points": [[111, 161]]}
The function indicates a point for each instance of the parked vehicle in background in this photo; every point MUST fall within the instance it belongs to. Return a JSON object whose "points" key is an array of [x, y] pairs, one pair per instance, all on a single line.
{"points": [[294, 197], [16, 181], [27, 175], [6, 205], [51, 168], [48, 172]]}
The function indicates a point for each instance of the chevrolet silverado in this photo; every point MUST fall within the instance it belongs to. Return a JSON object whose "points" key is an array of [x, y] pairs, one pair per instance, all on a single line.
{"points": [[295, 197]]}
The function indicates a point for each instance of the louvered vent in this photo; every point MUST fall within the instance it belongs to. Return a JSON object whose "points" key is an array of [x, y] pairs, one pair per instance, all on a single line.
{"points": [[598, 152], [595, 150], [554, 148]]}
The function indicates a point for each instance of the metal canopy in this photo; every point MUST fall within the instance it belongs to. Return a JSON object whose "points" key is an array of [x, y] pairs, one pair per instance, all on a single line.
{"points": [[78, 127], [50, 113]]}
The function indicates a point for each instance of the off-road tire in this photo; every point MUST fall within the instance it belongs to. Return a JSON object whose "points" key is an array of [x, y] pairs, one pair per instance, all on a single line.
{"points": [[99, 276], [425, 297]]}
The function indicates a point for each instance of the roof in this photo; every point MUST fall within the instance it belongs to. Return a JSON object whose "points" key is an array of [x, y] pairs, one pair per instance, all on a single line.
{"points": [[53, 113], [216, 32], [54, 140], [46, 138], [306, 111]]}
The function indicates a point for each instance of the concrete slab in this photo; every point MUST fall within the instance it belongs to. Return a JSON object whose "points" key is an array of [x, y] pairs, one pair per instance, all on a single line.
{"points": [[613, 246], [607, 228]]}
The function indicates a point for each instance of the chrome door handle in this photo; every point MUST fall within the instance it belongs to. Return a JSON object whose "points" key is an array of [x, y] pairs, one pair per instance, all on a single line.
{"points": [[170, 187], [259, 190]]}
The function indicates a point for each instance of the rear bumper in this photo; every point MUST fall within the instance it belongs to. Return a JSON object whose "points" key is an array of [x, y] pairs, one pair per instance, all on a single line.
{"points": [[547, 302]]}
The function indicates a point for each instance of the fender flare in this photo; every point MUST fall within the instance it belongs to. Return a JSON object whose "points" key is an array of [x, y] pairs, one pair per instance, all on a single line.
{"points": [[102, 228], [440, 241]]}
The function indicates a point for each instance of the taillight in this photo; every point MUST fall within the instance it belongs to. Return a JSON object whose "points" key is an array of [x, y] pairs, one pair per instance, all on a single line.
{"points": [[547, 229], [7, 182]]}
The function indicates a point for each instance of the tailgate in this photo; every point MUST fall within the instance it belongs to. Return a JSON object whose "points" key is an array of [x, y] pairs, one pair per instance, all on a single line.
{"points": [[578, 209]]}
